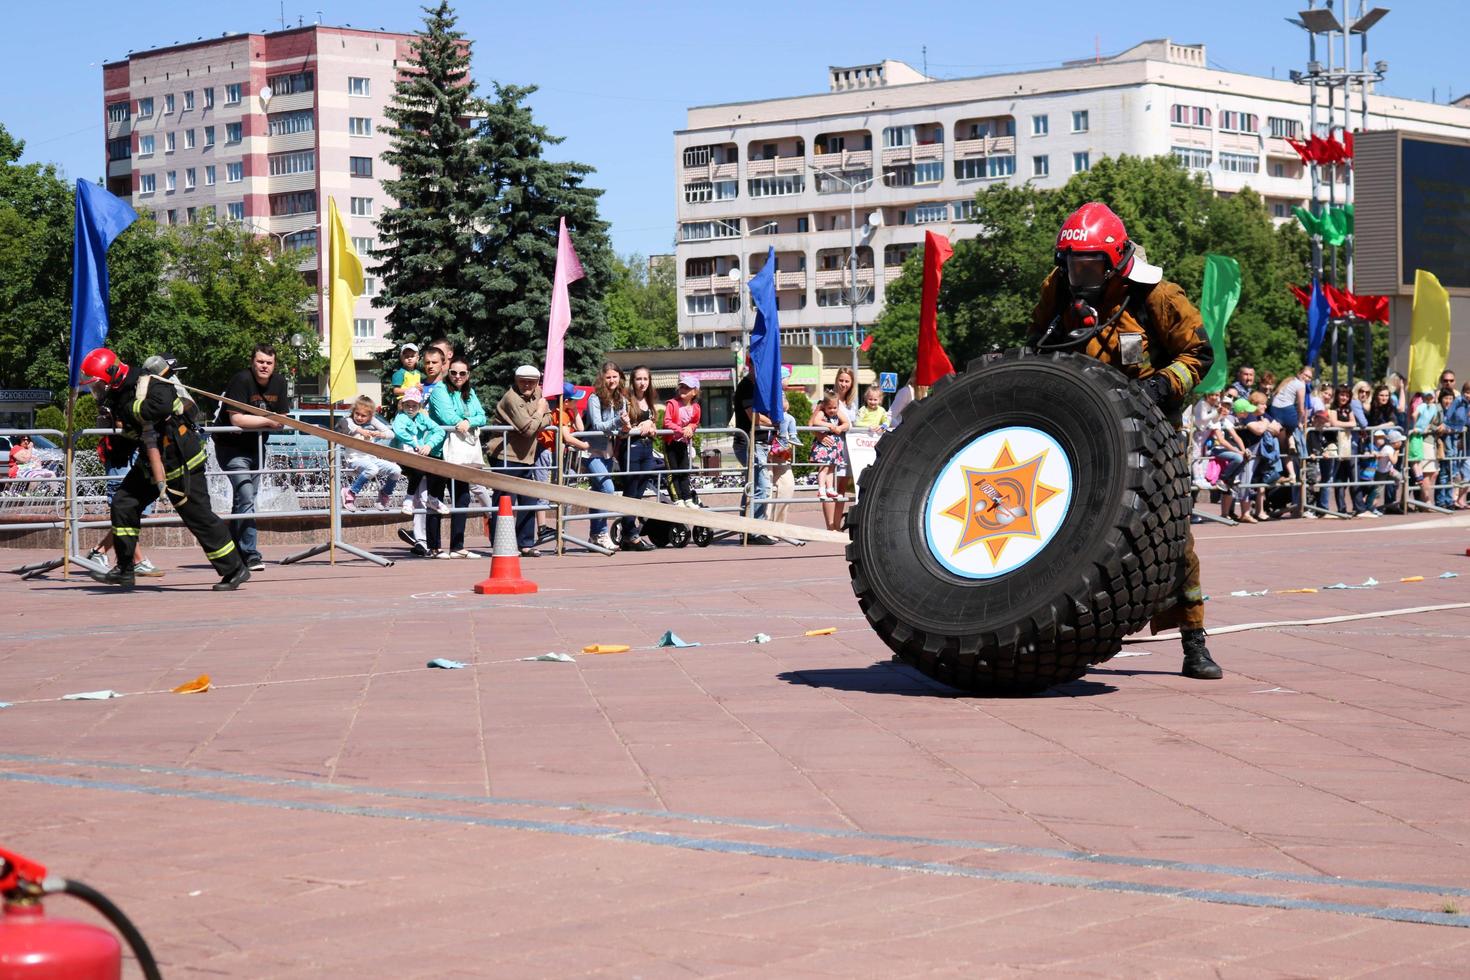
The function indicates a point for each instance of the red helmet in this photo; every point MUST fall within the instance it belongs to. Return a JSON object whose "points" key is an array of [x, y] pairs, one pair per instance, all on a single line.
{"points": [[103, 365], [1093, 247]]}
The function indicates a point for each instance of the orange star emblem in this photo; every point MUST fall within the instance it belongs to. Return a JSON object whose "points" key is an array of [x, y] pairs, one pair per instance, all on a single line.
{"points": [[1001, 502]]}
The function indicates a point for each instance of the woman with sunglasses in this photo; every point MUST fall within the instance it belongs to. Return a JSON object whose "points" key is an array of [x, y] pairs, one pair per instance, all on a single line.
{"points": [[455, 406]]}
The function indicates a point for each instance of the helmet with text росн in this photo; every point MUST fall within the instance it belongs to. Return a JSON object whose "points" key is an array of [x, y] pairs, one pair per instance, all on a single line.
{"points": [[104, 367]]}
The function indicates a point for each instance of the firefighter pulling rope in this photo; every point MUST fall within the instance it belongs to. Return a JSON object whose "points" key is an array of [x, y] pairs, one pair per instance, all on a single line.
{"points": [[548, 491]]}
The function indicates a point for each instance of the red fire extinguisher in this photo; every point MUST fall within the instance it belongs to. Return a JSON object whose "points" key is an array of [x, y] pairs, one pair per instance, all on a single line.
{"points": [[34, 946]]}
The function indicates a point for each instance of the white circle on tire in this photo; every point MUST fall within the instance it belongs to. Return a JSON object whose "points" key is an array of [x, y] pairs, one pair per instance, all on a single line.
{"points": [[998, 502]]}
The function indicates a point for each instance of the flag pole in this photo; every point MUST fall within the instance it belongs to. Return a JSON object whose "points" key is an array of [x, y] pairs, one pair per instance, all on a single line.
{"points": [[749, 476], [70, 501]]}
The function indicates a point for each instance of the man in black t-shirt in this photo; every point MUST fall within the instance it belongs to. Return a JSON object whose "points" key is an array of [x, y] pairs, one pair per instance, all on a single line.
{"points": [[240, 454]]}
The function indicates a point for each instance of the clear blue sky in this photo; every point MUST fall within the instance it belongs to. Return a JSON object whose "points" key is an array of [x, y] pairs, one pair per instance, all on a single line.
{"points": [[616, 77]]}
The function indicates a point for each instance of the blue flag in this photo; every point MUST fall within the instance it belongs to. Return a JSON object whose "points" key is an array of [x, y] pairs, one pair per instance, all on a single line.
{"points": [[101, 217], [765, 341], [1318, 314]]}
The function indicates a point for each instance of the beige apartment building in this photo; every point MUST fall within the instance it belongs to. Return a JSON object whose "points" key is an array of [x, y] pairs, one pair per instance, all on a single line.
{"points": [[754, 174], [259, 130]]}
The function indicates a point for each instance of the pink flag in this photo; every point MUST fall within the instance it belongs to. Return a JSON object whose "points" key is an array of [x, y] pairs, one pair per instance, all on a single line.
{"points": [[568, 271]]}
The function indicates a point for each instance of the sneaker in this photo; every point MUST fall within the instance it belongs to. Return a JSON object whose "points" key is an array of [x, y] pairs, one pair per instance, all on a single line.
{"points": [[761, 539], [465, 553], [638, 544], [545, 534], [604, 540], [440, 554], [528, 553], [255, 563], [99, 558], [1310, 515], [407, 507], [436, 506], [147, 569], [349, 499], [385, 500]]}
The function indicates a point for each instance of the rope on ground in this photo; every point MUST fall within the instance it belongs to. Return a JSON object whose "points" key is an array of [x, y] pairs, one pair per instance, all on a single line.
{"points": [[1324, 621]]}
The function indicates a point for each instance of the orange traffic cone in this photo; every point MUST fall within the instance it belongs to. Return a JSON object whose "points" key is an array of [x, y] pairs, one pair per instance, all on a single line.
{"points": [[505, 558]]}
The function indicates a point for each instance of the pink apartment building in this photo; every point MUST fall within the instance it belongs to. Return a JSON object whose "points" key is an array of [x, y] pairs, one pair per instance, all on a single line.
{"points": [[260, 130]]}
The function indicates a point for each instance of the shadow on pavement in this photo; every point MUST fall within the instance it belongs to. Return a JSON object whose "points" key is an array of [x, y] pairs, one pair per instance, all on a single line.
{"points": [[887, 677]]}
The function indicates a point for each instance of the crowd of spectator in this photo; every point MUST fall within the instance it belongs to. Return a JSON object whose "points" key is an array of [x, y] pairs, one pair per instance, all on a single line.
{"points": [[1266, 450]]}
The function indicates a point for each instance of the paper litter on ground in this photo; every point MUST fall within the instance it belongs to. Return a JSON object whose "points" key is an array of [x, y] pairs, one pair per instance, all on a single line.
{"points": [[672, 639], [559, 658], [760, 638], [91, 696], [445, 664]]}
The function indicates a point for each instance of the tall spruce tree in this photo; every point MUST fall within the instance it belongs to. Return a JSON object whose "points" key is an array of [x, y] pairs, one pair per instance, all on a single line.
{"points": [[426, 242], [524, 195]]}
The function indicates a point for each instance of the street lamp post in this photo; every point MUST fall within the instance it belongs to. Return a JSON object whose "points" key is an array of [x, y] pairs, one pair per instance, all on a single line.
{"points": [[874, 220]]}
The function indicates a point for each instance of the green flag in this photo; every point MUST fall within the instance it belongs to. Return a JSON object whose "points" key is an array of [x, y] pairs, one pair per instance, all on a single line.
{"points": [[1217, 301], [1333, 225]]}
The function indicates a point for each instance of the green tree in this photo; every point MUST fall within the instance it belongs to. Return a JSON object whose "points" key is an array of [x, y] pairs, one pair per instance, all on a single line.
{"points": [[642, 308], [525, 195], [991, 283], [426, 240]]}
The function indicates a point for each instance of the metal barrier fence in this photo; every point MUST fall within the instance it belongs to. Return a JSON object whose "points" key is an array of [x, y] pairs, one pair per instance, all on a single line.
{"points": [[301, 476], [1318, 478]]}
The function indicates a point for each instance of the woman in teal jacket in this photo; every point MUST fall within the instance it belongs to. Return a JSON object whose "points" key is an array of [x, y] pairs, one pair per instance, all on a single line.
{"points": [[456, 408]]}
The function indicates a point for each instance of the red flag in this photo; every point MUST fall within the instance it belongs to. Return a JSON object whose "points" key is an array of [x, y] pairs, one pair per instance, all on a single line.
{"points": [[1339, 151], [1374, 308], [1318, 149], [1302, 150], [1339, 301], [867, 342], [1347, 143], [1302, 296], [933, 363]]}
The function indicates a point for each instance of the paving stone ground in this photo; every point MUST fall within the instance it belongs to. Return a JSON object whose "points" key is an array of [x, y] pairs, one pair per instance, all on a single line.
{"points": [[798, 808]]}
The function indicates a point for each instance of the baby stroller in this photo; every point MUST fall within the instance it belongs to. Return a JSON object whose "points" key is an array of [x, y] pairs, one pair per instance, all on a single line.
{"points": [[664, 534]]}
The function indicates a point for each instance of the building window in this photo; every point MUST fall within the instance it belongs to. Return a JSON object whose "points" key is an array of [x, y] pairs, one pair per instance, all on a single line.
{"points": [[1041, 166], [145, 146], [1284, 128], [775, 186], [233, 133], [926, 214], [364, 328], [209, 176], [1001, 166], [1040, 125], [209, 98], [1081, 162], [189, 215], [1079, 121], [1239, 122], [168, 104], [299, 162], [726, 190], [119, 149], [168, 142], [929, 172], [236, 210], [831, 297], [145, 108], [189, 179], [173, 217], [696, 156], [298, 240], [285, 123], [1240, 163], [234, 172], [208, 135], [147, 183], [698, 192], [361, 166], [698, 231], [188, 139], [369, 286], [1192, 157], [964, 210], [984, 168], [295, 202], [1278, 210], [362, 246], [898, 136], [117, 112], [188, 100], [362, 207], [170, 181], [359, 126], [830, 184], [698, 304], [1278, 170], [358, 86], [232, 94], [1189, 115], [300, 81]]}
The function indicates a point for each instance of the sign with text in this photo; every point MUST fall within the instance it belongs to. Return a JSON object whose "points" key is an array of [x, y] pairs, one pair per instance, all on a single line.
{"points": [[862, 450], [22, 396]]}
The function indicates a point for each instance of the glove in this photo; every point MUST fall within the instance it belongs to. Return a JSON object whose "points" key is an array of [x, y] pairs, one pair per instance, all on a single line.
{"points": [[1158, 389]]}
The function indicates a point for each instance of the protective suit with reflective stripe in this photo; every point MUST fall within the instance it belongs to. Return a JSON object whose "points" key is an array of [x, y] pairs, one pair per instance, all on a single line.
{"points": [[148, 410]]}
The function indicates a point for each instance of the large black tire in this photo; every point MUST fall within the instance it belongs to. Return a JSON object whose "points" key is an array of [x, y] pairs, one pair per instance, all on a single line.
{"points": [[1095, 565]]}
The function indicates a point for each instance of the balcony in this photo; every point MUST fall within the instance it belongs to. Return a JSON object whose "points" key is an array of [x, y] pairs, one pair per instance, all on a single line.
{"points": [[986, 146], [117, 130], [292, 141], [1276, 146], [844, 160], [918, 153], [1180, 135], [892, 272], [776, 167], [791, 280], [836, 278], [710, 172], [120, 168], [282, 183], [292, 101]]}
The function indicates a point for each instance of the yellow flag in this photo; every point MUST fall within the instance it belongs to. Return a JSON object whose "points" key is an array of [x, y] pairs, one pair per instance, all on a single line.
{"points": [[344, 279], [1429, 332]]}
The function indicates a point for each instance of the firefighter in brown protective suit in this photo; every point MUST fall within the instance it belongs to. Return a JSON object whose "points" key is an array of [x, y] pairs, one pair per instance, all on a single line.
{"points": [[1104, 300]]}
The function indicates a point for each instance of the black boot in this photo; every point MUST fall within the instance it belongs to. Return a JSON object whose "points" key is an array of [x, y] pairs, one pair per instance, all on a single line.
{"points": [[234, 580], [114, 576], [1197, 660]]}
